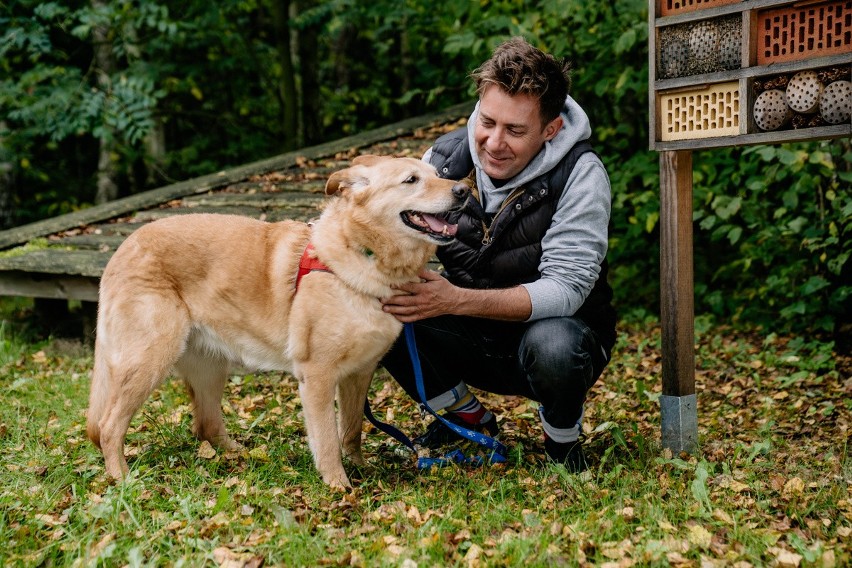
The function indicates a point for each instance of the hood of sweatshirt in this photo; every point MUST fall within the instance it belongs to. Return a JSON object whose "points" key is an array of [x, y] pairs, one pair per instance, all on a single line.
{"points": [[575, 128]]}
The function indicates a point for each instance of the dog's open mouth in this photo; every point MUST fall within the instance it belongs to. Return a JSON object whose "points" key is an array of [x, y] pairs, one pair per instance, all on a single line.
{"points": [[433, 225]]}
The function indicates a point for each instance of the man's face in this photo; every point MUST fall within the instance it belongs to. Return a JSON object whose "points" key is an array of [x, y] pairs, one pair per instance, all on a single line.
{"points": [[509, 133]]}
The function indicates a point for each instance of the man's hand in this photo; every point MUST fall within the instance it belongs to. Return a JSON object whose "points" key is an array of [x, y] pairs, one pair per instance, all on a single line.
{"points": [[435, 296], [432, 296]]}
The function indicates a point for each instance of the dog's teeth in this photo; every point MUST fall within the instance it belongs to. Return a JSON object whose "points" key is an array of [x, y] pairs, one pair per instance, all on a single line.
{"points": [[444, 231]]}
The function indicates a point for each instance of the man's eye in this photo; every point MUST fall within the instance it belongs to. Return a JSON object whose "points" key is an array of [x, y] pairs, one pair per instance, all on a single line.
{"points": [[410, 179]]}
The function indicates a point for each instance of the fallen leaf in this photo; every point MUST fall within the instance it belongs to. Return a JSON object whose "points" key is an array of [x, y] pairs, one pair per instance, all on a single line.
{"points": [[723, 516], [472, 558], [785, 558], [792, 488], [699, 536], [227, 558], [259, 453], [206, 451]]}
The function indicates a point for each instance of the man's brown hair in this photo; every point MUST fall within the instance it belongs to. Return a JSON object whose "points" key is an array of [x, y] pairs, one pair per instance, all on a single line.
{"points": [[519, 68]]}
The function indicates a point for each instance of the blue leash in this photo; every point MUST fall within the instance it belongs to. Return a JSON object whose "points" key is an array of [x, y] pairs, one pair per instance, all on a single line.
{"points": [[497, 450]]}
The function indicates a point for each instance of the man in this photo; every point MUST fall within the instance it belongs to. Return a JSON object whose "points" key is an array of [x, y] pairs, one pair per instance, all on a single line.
{"points": [[523, 307]]}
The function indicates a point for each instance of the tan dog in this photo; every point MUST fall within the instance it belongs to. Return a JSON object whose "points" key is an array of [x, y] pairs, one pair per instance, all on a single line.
{"points": [[197, 293]]}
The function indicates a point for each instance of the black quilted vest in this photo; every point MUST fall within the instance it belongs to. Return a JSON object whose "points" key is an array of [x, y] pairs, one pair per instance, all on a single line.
{"points": [[505, 250]]}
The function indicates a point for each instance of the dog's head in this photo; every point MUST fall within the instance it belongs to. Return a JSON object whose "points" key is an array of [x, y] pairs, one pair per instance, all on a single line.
{"points": [[405, 188]]}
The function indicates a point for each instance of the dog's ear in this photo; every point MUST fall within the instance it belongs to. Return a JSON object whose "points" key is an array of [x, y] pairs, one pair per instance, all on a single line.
{"points": [[367, 160], [339, 182]]}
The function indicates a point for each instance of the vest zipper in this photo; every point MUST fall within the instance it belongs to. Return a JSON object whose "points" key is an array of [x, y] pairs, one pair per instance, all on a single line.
{"points": [[486, 229]]}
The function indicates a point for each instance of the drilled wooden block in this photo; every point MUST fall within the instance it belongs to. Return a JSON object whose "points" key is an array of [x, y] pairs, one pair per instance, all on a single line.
{"points": [[771, 111], [802, 32], [672, 7], [804, 91], [700, 113], [835, 106], [699, 47]]}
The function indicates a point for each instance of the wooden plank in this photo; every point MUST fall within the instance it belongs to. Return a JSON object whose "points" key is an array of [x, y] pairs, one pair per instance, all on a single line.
{"points": [[653, 99], [752, 72], [117, 229], [260, 200], [103, 243], [774, 137], [720, 11], [99, 213], [676, 273], [57, 261], [262, 186], [30, 285]]}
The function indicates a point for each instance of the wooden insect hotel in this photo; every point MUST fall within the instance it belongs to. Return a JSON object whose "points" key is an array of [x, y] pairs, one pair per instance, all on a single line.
{"points": [[730, 73]]}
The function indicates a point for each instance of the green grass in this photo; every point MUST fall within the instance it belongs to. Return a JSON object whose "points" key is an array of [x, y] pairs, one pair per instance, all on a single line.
{"points": [[769, 485]]}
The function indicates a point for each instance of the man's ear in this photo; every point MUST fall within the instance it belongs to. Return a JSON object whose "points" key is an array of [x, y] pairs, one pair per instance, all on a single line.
{"points": [[553, 128]]}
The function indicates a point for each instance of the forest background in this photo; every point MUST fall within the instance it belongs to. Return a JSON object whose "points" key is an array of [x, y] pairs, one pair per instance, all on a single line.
{"points": [[101, 99]]}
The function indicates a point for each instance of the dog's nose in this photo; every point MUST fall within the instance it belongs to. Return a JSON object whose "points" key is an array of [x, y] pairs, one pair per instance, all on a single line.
{"points": [[460, 191]]}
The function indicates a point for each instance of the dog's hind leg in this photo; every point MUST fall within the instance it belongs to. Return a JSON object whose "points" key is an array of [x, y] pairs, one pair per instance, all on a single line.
{"points": [[133, 382], [316, 390], [351, 394], [205, 376], [98, 395], [139, 348]]}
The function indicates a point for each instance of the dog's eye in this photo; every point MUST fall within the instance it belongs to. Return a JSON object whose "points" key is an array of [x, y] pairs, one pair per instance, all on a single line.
{"points": [[410, 179]]}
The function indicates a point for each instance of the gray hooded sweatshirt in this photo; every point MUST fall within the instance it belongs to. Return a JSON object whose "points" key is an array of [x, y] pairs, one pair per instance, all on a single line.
{"points": [[575, 245]]}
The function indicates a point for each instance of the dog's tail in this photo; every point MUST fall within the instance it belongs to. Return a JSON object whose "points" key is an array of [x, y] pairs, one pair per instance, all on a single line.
{"points": [[97, 396]]}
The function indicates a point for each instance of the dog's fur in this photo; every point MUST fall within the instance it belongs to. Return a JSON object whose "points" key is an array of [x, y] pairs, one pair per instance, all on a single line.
{"points": [[198, 293]]}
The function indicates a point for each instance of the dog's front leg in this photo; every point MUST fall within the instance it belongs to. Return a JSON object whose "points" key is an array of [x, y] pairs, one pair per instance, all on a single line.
{"points": [[316, 389], [351, 394]]}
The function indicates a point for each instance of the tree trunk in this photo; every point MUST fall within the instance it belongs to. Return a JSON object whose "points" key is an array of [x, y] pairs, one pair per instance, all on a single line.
{"points": [[107, 188], [311, 119], [287, 85], [155, 154], [7, 186]]}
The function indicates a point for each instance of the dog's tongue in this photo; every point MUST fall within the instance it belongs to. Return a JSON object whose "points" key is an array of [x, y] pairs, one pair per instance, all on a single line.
{"points": [[438, 224]]}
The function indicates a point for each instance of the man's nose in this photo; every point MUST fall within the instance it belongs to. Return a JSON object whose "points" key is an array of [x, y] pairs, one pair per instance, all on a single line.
{"points": [[496, 138]]}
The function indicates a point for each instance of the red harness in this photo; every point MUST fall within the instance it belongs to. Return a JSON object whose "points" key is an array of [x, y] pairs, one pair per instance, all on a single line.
{"points": [[308, 263]]}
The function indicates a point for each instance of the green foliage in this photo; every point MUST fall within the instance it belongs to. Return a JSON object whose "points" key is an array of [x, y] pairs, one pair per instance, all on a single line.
{"points": [[772, 223]]}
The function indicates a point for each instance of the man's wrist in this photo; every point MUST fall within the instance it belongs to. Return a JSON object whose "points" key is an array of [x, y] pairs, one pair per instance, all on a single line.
{"points": [[504, 303]]}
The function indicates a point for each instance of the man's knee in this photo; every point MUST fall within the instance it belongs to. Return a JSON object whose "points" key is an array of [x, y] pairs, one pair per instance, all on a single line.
{"points": [[556, 344]]}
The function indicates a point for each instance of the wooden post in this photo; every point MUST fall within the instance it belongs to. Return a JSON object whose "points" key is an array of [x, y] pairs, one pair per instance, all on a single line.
{"points": [[679, 418]]}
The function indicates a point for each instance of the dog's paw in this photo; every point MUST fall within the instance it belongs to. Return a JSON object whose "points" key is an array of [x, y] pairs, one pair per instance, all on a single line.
{"points": [[233, 446], [337, 482], [357, 459]]}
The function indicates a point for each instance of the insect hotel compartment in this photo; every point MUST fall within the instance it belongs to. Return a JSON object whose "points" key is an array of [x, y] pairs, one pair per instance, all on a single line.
{"points": [[806, 99], [700, 47], [672, 7], [701, 113], [804, 31]]}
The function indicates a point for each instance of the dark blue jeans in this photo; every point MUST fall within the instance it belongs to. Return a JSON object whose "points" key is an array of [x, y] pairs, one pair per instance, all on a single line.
{"points": [[552, 361]]}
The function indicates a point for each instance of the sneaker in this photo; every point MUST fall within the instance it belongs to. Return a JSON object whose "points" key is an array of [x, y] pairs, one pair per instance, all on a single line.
{"points": [[569, 454], [437, 434]]}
